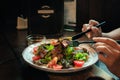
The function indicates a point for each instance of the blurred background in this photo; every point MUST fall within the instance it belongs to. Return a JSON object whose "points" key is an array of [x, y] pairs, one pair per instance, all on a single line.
{"points": [[77, 11]]}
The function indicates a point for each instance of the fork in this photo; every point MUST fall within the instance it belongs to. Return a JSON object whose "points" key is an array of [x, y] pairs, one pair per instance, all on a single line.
{"points": [[76, 42]]}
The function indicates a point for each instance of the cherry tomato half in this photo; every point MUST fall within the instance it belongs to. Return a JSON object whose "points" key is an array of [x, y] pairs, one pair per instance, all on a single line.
{"points": [[78, 63], [35, 49], [34, 58]]}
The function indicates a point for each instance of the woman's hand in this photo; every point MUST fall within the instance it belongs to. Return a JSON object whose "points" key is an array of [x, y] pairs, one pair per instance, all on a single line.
{"points": [[109, 53], [95, 32]]}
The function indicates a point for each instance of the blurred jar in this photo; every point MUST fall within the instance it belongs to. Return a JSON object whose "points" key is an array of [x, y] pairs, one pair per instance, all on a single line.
{"points": [[46, 17], [31, 39]]}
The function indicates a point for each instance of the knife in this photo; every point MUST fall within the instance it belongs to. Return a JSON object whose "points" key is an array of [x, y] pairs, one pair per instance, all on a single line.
{"points": [[82, 33]]}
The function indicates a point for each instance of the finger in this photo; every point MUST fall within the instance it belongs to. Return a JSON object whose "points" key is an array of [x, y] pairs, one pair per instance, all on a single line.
{"points": [[85, 26], [111, 58], [103, 59], [104, 49], [96, 32], [108, 41], [109, 49], [93, 22], [89, 35], [104, 55]]}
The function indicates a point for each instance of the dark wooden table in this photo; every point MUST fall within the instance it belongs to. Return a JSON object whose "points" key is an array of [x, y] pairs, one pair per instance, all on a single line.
{"points": [[13, 67]]}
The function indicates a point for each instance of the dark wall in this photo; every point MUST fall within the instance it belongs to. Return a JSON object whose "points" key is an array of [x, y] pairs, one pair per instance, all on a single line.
{"points": [[108, 10], [100, 10], [9, 10]]}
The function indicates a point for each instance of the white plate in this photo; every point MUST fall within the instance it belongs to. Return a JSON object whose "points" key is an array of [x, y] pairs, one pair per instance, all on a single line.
{"points": [[27, 56]]}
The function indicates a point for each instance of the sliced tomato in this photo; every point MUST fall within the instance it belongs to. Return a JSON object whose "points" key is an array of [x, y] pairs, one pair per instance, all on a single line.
{"points": [[34, 58], [35, 49], [78, 63], [57, 67]]}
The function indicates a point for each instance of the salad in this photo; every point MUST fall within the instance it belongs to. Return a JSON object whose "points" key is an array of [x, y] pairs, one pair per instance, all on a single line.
{"points": [[58, 54]]}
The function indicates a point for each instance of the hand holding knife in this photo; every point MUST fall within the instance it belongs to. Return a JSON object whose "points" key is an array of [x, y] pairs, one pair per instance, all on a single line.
{"points": [[82, 33]]}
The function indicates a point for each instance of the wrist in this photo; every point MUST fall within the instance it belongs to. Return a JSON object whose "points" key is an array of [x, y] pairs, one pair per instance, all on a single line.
{"points": [[105, 35]]}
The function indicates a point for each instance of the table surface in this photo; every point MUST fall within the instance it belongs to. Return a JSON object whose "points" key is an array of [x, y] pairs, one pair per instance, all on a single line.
{"points": [[13, 67]]}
